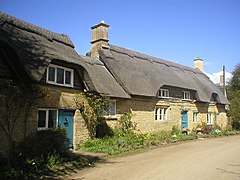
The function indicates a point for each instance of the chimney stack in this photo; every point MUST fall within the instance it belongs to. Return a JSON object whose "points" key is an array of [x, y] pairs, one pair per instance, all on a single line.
{"points": [[99, 38], [198, 64]]}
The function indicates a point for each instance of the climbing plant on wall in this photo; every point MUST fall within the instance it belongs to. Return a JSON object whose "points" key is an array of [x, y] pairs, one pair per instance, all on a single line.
{"points": [[92, 108]]}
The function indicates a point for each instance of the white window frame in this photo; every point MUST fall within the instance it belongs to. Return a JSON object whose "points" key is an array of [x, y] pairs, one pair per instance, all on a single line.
{"points": [[163, 93], [160, 113], [195, 117], [111, 113], [64, 76], [186, 95], [46, 118], [209, 118]]}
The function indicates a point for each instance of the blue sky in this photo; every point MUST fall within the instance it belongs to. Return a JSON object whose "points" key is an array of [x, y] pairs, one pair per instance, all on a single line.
{"points": [[175, 30]]}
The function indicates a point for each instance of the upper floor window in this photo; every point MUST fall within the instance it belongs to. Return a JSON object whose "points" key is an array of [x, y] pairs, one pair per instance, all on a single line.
{"points": [[47, 118], [163, 93], [186, 95], [160, 113], [60, 75], [111, 109]]}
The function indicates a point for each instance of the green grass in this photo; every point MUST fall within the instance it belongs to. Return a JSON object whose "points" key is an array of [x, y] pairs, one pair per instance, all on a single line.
{"points": [[122, 143]]}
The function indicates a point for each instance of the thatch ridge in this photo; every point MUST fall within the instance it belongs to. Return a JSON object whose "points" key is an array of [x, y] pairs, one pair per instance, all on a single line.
{"points": [[4, 18]]}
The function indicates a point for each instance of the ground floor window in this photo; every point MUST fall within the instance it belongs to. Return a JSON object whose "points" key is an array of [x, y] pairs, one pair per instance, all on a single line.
{"points": [[47, 118], [209, 118], [110, 111], [160, 113], [195, 117]]}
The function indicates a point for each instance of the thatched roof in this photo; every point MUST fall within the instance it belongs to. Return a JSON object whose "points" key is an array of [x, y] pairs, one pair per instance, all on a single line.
{"points": [[36, 48], [143, 75], [120, 73]]}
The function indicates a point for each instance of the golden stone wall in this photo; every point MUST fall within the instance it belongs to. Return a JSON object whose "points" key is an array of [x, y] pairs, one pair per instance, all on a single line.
{"points": [[143, 113], [57, 97], [65, 98]]}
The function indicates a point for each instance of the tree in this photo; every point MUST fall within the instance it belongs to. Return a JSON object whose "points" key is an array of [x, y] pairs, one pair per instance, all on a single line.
{"points": [[16, 100], [234, 97]]}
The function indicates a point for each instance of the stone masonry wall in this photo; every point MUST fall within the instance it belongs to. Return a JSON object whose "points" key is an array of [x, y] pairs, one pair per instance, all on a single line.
{"points": [[66, 98], [57, 98], [143, 113]]}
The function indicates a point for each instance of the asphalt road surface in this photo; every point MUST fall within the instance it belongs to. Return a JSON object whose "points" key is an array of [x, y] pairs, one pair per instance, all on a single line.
{"points": [[217, 159]]}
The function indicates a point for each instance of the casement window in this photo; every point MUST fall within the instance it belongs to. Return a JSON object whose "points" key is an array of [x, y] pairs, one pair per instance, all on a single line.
{"points": [[47, 118], [186, 95], [60, 75], [160, 113], [195, 117], [111, 109], [209, 118], [163, 93]]}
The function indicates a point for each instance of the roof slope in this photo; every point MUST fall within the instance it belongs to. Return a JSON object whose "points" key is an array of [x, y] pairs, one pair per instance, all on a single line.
{"points": [[140, 74], [37, 47]]}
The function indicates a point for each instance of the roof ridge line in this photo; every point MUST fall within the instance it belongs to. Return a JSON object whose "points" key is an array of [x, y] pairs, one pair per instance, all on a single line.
{"points": [[24, 25], [155, 59]]}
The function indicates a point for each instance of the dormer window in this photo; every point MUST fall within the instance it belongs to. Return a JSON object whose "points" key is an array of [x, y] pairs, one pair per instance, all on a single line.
{"points": [[186, 95], [60, 75], [163, 93]]}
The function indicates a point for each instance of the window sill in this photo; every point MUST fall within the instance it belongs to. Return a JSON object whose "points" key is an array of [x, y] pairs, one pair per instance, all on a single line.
{"points": [[43, 128], [188, 100], [162, 97], [110, 118], [62, 85]]}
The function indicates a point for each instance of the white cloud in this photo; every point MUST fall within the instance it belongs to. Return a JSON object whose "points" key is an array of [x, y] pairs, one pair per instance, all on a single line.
{"points": [[215, 77]]}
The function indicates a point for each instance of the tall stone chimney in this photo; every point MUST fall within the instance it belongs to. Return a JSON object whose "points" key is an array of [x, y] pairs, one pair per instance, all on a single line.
{"points": [[99, 38], [198, 64]]}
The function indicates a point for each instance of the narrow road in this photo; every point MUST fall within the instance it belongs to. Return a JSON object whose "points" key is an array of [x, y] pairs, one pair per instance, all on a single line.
{"points": [[204, 159]]}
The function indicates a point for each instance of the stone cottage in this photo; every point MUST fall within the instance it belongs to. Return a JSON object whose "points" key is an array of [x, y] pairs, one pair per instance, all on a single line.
{"points": [[29, 53], [163, 93], [158, 93]]}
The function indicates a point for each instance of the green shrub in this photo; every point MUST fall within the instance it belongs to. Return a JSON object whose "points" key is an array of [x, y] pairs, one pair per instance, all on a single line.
{"points": [[176, 130], [206, 129], [125, 124], [35, 155], [45, 142]]}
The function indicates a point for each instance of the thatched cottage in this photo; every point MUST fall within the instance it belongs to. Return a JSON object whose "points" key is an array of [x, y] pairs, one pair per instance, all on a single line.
{"points": [[163, 93], [158, 93]]}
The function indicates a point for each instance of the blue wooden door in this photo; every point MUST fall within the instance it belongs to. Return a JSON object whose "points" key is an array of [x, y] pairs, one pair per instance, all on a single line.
{"points": [[184, 119], [65, 120]]}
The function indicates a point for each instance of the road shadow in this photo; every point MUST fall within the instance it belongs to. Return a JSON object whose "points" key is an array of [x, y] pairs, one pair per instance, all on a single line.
{"points": [[71, 165]]}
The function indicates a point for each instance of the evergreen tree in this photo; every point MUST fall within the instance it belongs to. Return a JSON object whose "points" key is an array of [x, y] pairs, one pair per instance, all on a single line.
{"points": [[234, 97]]}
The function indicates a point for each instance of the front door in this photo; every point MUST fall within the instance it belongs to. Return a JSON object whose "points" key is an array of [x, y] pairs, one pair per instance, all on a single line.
{"points": [[65, 120], [184, 119]]}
